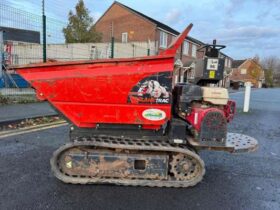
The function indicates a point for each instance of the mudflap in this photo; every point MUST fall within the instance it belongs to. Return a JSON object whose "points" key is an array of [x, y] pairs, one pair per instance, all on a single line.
{"points": [[235, 143]]}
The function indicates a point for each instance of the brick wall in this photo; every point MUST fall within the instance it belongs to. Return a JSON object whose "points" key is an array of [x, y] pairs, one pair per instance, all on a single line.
{"points": [[123, 20]]}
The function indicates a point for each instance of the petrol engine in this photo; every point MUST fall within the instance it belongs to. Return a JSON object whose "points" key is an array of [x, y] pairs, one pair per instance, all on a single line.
{"points": [[202, 104], [207, 110]]}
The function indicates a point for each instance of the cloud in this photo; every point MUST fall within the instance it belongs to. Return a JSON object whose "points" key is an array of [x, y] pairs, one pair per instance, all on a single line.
{"points": [[173, 16], [234, 6], [277, 16], [263, 14], [250, 32]]}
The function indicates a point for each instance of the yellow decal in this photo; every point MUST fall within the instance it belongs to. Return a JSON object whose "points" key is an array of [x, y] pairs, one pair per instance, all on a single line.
{"points": [[69, 164], [212, 75]]}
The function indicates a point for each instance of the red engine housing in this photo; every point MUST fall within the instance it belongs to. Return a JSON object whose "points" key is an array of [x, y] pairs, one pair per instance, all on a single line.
{"points": [[230, 110], [197, 114]]}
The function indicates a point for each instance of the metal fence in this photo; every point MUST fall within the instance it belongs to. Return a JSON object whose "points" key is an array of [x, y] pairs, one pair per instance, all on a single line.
{"points": [[23, 44], [26, 53], [16, 91]]}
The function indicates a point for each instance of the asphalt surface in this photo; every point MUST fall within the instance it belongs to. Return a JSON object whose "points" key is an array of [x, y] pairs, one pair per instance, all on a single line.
{"points": [[13, 112], [243, 181]]}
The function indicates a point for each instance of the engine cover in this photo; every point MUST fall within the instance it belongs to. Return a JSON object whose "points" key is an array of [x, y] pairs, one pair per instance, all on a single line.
{"points": [[184, 94], [213, 129], [215, 95], [209, 126]]}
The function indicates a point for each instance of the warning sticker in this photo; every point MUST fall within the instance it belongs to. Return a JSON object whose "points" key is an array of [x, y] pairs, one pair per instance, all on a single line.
{"points": [[212, 75], [212, 64]]}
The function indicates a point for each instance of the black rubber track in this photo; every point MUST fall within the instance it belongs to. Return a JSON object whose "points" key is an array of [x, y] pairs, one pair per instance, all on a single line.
{"points": [[127, 144]]}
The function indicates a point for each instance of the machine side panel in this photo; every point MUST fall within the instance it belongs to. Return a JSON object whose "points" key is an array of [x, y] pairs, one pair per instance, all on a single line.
{"points": [[91, 94]]}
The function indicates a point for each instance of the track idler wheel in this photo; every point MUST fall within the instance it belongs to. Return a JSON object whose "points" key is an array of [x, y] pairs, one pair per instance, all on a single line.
{"points": [[185, 167]]}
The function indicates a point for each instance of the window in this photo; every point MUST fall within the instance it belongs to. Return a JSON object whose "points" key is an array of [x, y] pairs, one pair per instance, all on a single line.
{"points": [[194, 51], [162, 39], [243, 71], [186, 48], [192, 74], [124, 37], [226, 62]]}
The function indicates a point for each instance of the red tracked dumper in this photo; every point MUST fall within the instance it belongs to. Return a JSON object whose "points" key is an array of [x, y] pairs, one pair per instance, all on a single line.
{"points": [[130, 125]]}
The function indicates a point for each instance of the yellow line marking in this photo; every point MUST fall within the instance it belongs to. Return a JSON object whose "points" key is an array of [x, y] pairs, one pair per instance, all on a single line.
{"points": [[31, 129]]}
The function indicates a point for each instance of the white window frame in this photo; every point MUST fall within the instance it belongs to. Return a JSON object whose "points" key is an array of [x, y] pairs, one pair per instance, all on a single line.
{"points": [[194, 48], [163, 39], [192, 73], [124, 37], [243, 71], [229, 63], [186, 47], [226, 62]]}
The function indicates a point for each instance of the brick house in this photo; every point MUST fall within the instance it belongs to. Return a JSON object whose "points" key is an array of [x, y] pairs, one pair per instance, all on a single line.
{"points": [[276, 79], [228, 69], [128, 25], [20, 35], [247, 71]]}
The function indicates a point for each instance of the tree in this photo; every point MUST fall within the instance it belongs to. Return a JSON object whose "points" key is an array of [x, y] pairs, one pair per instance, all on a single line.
{"points": [[268, 75], [257, 59], [80, 28], [271, 66], [270, 62]]}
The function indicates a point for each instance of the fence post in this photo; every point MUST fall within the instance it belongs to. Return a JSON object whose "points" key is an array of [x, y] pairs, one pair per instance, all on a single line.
{"points": [[112, 47], [149, 48], [44, 34], [133, 50], [1, 53]]}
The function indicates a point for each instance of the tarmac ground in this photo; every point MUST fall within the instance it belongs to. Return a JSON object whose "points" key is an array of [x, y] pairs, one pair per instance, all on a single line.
{"points": [[240, 181]]}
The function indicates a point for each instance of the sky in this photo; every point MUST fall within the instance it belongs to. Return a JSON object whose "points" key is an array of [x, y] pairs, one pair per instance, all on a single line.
{"points": [[247, 27]]}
